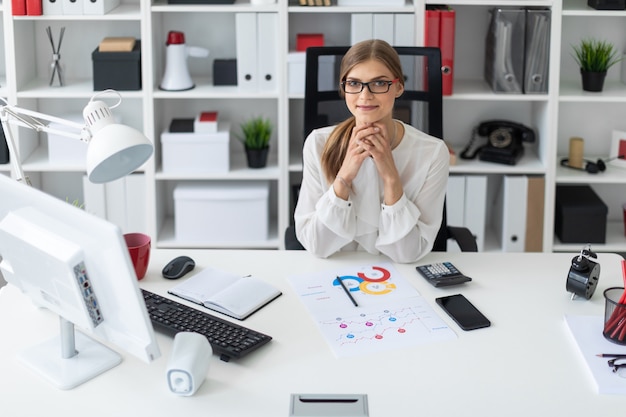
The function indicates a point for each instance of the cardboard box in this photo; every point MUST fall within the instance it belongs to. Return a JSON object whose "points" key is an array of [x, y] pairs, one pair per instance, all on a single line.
{"points": [[297, 68], [221, 211], [117, 70], [196, 153], [580, 215]]}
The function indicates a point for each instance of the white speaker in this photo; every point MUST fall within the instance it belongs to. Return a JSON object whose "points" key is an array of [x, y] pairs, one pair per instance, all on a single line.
{"points": [[189, 363]]}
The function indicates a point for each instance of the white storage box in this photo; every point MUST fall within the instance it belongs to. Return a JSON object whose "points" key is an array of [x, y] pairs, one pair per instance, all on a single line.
{"points": [[64, 150], [297, 68], [99, 7], [196, 153], [225, 211]]}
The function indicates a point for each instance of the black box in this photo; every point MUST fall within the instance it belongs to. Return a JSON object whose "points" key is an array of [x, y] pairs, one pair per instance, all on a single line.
{"points": [[117, 70], [607, 4], [580, 215], [225, 72]]}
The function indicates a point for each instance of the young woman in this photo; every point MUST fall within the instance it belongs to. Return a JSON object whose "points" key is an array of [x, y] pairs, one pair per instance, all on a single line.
{"points": [[371, 183]]}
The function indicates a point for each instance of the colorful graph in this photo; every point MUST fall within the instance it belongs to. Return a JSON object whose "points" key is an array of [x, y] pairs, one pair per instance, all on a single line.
{"points": [[390, 312]]}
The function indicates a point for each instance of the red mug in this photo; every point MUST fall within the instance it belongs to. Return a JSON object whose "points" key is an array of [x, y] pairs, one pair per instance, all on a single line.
{"points": [[139, 250]]}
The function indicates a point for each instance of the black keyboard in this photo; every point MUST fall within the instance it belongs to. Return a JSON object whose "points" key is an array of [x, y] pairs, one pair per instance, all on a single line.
{"points": [[227, 339]]}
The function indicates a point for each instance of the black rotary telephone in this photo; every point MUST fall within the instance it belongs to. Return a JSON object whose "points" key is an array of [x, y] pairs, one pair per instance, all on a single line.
{"points": [[504, 142]]}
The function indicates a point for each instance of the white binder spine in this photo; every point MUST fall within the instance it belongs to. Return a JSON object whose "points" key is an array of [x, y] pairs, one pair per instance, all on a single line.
{"points": [[246, 47], [512, 205], [361, 27], [476, 208], [52, 7], [404, 29], [383, 27], [267, 27]]}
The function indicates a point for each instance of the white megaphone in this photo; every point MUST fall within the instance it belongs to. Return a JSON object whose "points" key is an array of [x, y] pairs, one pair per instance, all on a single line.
{"points": [[176, 77]]}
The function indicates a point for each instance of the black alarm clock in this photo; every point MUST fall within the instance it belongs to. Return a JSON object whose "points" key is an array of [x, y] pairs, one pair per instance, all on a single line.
{"points": [[583, 275]]}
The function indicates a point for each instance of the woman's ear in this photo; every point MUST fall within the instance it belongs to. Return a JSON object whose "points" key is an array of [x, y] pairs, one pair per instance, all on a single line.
{"points": [[399, 89]]}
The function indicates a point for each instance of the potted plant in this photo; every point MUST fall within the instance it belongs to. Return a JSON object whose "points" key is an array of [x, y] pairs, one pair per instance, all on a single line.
{"points": [[256, 134], [595, 57]]}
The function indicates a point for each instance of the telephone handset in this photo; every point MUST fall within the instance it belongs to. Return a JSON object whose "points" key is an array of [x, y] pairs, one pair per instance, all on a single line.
{"points": [[504, 141]]}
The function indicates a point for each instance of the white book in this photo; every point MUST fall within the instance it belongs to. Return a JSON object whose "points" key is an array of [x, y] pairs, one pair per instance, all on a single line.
{"points": [[226, 293]]}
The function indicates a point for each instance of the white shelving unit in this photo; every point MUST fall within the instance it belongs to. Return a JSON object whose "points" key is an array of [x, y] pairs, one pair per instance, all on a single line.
{"points": [[563, 112]]}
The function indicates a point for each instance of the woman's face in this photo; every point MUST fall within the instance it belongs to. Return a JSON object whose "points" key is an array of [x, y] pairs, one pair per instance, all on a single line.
{"points": [[366, 106]]}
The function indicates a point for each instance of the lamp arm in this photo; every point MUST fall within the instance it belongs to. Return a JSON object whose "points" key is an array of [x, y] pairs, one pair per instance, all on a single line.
{"points": [[11, 115]]}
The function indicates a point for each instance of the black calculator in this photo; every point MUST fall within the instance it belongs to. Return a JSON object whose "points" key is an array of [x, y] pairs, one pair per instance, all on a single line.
{"points": [[442, 274]]}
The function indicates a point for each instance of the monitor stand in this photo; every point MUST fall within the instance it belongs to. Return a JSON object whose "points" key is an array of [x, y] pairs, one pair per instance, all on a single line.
{"points": [[69, 359]]}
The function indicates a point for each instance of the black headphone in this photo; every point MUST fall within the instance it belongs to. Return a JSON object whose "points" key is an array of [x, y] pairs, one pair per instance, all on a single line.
{"points": [[590, 166]]}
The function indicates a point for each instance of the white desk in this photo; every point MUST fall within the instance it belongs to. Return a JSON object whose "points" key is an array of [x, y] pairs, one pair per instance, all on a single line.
{"points": [[526, 364]]}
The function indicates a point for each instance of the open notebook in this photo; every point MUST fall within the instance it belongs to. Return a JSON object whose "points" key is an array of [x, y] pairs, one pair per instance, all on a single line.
{"points": [[226, 293]]}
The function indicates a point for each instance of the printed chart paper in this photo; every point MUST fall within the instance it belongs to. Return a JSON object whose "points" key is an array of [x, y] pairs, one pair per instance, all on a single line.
{"points": [[390, 312]]}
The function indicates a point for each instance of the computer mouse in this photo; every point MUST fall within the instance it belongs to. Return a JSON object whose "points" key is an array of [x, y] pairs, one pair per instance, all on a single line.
{"points": [[178, 267]]}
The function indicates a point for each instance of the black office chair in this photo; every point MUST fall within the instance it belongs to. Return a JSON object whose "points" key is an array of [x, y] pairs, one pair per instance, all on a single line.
{"points": [[421, 105]]}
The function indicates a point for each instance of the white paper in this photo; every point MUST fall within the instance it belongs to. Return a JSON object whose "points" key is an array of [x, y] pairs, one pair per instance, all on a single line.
{"points": [[390, 313]]}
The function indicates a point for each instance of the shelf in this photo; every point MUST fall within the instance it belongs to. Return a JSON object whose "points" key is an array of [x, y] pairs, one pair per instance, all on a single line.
{"points": [[124, 11], [613, 92], [612, 175], [168, 240], [615, 241], [76, 88]]}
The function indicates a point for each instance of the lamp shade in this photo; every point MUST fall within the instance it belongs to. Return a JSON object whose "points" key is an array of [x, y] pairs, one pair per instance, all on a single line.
{"points": [[115, 150]]}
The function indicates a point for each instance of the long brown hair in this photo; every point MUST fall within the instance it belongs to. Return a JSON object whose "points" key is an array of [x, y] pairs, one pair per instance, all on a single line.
{"points": [[337, 144]]}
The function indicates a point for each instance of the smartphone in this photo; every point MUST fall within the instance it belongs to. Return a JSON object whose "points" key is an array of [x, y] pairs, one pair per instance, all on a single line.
{"points": [[463, 312]]}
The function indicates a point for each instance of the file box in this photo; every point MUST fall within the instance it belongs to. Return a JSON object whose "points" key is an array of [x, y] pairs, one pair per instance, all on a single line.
{"points": [[117, 70], [197, 153], [580, 215], [64, 150], [221, 211]]}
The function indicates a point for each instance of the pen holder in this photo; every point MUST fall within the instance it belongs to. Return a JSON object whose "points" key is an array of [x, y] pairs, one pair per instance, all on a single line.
{"points": [[615, 315]]}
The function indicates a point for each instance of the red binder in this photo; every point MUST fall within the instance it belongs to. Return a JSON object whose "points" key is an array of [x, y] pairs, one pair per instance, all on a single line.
{"points": [[439, 32], [34, 8], [446, 44], [18, 7]]}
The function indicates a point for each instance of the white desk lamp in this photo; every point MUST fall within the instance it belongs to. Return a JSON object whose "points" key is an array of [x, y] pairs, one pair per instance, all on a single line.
{"points": [[114, 150]]}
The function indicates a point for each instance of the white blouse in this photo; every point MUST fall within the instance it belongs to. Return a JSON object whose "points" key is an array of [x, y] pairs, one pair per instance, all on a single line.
{"points": [[404, 231]]}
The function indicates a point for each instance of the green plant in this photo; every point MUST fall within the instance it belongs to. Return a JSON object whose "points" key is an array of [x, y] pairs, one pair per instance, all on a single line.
{"points": [[256, 133], [594, 55], [75, 203]]}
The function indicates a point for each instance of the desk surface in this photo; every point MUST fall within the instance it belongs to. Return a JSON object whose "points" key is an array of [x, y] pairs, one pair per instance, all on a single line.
{"points": [[525, 364]]}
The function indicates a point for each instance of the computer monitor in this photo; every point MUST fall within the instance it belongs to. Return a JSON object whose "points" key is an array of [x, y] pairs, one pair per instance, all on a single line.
{"points": [[77, 266]]}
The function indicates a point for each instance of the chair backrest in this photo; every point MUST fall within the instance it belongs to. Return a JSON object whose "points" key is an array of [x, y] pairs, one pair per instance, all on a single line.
{"points": [[421, 105]]}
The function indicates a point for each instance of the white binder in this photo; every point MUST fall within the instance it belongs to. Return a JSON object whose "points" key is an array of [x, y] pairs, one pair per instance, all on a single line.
{"points": [[94, 198], [136, 203], [246, 47], [511, 213], [73, 7], [455, 200], [267, 26], [404, 29], [475, 218], [361, 27], [99, 7], [52, 7], [383, 27]]}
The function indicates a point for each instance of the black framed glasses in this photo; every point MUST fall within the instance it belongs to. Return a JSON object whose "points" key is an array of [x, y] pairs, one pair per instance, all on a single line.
{"points": [[375, 87]]}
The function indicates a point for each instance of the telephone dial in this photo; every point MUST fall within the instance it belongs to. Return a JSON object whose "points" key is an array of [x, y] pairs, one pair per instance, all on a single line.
{"points": [[504, 141]]}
